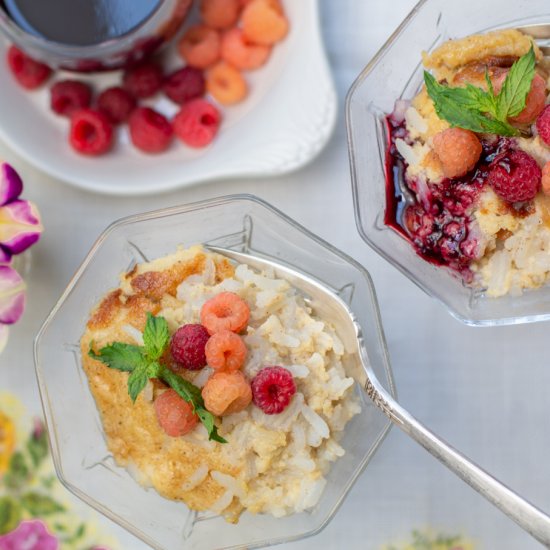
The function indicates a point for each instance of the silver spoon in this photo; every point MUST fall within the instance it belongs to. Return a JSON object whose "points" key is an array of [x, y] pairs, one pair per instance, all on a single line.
{"points": [[329, 306]]}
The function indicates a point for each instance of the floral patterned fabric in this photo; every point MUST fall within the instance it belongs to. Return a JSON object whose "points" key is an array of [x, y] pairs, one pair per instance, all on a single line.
{"points": [[36, 512], [429, 541]]}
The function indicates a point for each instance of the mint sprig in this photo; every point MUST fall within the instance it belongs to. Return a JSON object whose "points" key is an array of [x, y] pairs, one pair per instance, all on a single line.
{"points": [[483, 111], [142, 364]]}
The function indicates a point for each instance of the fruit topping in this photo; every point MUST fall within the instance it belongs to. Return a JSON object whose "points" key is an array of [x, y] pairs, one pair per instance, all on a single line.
{"points": [[187, 346], [219, 14], [225, 351], [226, 84], [515, 176], [272, 389], [225, 311], [226, 393], [241, 53], [264, 22], [29, 73], [69, 96], [184, 84], [117, 103], [91, 132], [458, 150], [143, 80], [200, 46], [197, 123], [150, 131], [534, 102], [175, 416]]}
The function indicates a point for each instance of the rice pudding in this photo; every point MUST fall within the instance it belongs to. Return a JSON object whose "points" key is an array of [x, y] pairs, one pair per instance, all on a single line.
{"points": [[271, 463], [472, 151]]}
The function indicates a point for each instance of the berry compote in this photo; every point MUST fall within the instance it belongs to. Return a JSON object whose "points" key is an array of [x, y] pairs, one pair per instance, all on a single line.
{"points": [[437, 217]]}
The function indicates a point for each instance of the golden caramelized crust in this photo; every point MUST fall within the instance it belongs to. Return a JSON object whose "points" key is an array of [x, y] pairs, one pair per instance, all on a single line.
{"points": [[155, 284], [133, 433], [106, 311], [454, 54]]}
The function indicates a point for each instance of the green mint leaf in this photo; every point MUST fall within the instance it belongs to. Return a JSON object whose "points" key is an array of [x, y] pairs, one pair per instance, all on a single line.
{"points": [[207, 418], [155, 336], [136, 382], [512, 96], [40, 505], [10, 514], [119, 356], [460, 107], [183, 387], [140, 376]]}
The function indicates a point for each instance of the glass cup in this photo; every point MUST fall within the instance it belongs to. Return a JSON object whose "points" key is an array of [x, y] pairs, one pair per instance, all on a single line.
{"points": [[114, 53], [82, 459], [394, 73]]}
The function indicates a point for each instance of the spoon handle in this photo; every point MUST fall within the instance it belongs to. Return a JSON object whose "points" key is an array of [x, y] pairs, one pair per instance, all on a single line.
{"points": [[526, 515]]}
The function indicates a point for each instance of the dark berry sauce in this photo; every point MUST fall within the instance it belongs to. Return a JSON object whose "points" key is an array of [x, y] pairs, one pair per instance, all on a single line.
{"points": [[436, 217]]}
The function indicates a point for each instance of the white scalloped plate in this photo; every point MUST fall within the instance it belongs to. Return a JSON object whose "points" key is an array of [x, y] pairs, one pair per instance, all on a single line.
{"points": [[284, 123]]}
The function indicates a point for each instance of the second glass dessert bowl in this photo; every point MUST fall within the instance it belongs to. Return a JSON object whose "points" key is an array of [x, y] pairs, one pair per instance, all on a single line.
{"points": [[395, 74]]}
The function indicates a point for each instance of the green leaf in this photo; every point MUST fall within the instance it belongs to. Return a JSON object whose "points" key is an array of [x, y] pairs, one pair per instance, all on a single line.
{"points": [[38, 448], [18, 472], [10, 514], [119, 356], [513, 94], [183, 387], [155, 336], [460, 107], [207, 418], [136, 382], [40, 505]]}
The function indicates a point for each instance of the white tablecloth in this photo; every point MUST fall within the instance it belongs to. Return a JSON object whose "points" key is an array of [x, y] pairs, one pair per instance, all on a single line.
{"points": [[484, 390]]}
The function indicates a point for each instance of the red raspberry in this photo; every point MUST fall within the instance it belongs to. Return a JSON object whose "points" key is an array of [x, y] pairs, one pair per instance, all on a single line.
{"points": [[188, 345], [69, 96], [150, 131], [515, 176], [175, 416], [143, 80], [29, 73], [91, 132], [458, 150], [197, 123], [272, 389], [116, 103], [543, 125], [184, 85]]}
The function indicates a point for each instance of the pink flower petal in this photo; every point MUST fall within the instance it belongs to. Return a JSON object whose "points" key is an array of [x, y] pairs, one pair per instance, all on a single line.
{"points": [[11, 185], [30, 535], [5, 256], [4, 333], [12, 295], [20, 226]]}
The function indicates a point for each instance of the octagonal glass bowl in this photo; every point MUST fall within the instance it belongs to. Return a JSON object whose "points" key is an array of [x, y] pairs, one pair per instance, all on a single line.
{"points": [[396, 73], [82, 459]]}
